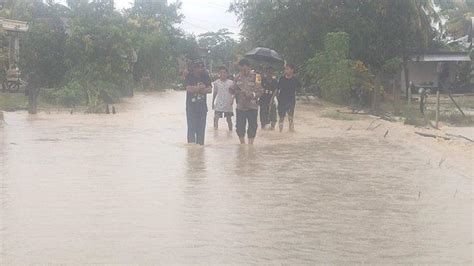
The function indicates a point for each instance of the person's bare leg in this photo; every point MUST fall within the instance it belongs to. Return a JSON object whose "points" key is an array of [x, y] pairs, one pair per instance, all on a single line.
{"points": [[251, 141], [292, 123], [216, 122], [281, 125], [242, 140], [229, 123]]}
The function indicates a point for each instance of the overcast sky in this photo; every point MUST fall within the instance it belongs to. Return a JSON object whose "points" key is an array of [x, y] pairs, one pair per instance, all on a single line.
{"points": [[201, 15]]}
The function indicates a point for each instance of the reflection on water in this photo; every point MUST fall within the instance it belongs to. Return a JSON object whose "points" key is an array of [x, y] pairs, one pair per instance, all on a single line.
{"points": [[125, 189]]}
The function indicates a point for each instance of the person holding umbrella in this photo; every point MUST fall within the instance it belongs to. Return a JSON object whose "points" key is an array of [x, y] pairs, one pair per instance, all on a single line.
{"points": [[267, 106], [262, 54], [198, 85], [268, 114], [247, 90]]}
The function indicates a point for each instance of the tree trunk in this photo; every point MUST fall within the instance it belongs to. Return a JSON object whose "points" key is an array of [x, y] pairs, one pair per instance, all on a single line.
{"points": [[407, 75], [396, 96], [32, 100], [376, 93], [437, 109]]}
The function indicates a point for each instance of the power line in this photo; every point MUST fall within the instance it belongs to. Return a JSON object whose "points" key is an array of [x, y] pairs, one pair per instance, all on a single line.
{"points": [[211, 22], [196, 26], [217, 5]]}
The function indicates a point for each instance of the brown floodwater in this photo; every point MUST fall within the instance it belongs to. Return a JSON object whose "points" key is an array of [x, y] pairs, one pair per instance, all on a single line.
{"points": [[107, 189]]}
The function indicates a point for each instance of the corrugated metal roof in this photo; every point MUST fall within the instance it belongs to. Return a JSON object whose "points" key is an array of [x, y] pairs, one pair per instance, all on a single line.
{"points": [[14, 25], [441, 57]]}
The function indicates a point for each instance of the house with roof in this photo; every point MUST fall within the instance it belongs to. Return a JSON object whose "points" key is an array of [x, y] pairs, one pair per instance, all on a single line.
{"points": [[12, 30], [424, 70]]}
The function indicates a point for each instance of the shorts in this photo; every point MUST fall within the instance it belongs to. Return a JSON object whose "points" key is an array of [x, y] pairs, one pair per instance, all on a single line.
{"points": [[220, 114]]}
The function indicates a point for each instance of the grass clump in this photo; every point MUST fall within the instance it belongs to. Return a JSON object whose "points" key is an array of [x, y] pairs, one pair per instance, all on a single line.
{"points": [[338, 116], [455, 118], [413, 116], [12, 101]]}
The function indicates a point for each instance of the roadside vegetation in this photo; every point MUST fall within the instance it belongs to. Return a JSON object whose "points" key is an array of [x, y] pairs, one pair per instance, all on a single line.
{"points": [[449, 114], [12, 102], [358, 48], [77, 54]]}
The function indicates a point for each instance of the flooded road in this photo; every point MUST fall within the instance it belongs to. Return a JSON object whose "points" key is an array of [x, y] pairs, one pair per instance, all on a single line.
{"points": [[105, 189]]}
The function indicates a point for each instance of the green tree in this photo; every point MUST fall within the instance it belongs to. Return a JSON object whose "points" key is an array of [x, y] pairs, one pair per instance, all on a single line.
{"points": [[379, 30], [156, 59], [99, 49], [458, 14], [88, 49], [296, 29], [335, 73], [157, 40], [43, 47], [221, 46]]}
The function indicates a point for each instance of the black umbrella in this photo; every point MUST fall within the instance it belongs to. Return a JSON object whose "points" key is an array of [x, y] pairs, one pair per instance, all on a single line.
{"points": [[264, 54]]}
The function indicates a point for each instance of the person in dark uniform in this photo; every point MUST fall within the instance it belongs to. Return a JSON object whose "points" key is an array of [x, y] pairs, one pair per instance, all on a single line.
{"points": [[287, 87], [198, 85], [268, 113]]}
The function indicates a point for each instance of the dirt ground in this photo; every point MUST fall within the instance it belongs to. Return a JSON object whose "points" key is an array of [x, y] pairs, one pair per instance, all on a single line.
{"points": [[457, 152], [81, 188]]}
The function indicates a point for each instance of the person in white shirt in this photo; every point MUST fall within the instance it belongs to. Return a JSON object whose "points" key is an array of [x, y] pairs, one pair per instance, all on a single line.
{"points": [[223, 100]]}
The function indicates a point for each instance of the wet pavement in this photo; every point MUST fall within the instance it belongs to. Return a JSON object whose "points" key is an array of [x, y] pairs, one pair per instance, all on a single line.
{"points": [[107, 189]]}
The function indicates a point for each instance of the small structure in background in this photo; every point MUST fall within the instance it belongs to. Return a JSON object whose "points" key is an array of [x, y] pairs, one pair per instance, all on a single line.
{"points": [[425, 69], [13, 29], [451, 68], [471, 37], [465, 41]]}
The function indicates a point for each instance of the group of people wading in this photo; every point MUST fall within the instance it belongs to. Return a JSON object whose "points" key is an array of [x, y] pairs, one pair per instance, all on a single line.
{"points": [[250, 90]]}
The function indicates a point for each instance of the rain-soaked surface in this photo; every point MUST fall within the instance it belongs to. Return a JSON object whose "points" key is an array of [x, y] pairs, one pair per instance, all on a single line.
{"points": [[125, 189]]}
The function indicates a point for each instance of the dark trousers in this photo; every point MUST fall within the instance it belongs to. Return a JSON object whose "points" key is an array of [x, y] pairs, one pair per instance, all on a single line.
{"points": [[243, 118], [286, 108], [196, 117], [268, 114]]}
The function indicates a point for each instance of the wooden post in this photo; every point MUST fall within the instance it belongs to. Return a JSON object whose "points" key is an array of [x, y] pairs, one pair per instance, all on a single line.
{"points": [[375, 99], [455, 103], [16, 47], [10, 51], [406, 73], [396, 97], [472, 71], [437, 108], [409, 94]]}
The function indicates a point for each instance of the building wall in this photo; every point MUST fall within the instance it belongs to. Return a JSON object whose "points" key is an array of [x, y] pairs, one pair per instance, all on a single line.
{"points": [[425, 72]]}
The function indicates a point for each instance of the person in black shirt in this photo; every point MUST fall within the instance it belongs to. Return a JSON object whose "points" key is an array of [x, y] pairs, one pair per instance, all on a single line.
{"points": [[198, 85], [268, 114], [287, 87]]}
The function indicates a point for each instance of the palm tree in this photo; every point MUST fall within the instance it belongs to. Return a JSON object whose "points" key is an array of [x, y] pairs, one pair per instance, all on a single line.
{"points": [[459, 17]]}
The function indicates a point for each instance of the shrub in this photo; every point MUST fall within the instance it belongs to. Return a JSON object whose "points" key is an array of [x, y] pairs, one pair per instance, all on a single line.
{"points": [[70, 95], [334, 73]]}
